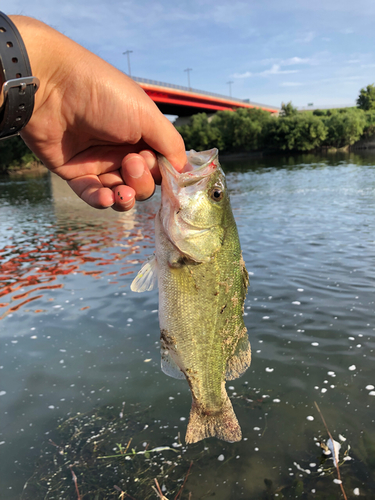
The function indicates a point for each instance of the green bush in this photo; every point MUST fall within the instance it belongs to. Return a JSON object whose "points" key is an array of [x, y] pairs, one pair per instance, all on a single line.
{"points": [[299, 132], [199, 134], [288, 109], [366, 98], [344, 129], [14, 153], [244, 128], [370, 123], [254, 129]]}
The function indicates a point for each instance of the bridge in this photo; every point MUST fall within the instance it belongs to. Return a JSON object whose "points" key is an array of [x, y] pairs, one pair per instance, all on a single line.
{"points": [[184, 101]]}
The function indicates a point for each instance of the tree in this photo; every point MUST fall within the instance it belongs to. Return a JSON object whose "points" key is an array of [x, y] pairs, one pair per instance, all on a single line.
{"points": [[366, 98], [370, 123], [299, 132], [199, 134], [242, 129], [288, 109], [344, 129], [14, 153]]}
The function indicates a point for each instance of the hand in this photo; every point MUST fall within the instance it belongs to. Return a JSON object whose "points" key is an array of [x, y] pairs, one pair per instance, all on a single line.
{"points": [[92, 125]]}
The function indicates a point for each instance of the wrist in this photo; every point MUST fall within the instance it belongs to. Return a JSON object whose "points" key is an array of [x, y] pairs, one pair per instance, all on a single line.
{"points": [[52, 64], [18, 84], [32, 33]]}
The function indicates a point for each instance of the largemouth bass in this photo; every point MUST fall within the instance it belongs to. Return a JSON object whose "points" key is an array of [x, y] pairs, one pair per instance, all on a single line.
{"points": [[202, 286]]}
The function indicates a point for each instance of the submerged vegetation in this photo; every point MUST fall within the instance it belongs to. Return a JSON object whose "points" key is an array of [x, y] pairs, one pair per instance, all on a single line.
{"points": [[109, 454]]}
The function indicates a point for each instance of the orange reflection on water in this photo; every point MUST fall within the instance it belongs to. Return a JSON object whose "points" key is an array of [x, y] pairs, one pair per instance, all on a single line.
{"points": [[27, 267]]}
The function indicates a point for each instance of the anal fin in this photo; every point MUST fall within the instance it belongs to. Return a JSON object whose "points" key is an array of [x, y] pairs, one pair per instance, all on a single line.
{"points": [[240, 361], [169, 366]]}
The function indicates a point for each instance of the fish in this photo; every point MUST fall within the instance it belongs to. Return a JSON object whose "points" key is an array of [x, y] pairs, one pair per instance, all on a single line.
{"points": [[203, 281]]}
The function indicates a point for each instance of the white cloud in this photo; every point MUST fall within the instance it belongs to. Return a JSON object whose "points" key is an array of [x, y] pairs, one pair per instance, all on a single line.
{"points": [[291, 84], [347, 31], [275, 70], [231, 12], [295, 60], [308, 37], [287, 62], [247, 74]]}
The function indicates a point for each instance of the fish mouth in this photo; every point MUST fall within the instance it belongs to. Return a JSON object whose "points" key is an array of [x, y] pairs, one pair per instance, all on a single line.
{"points": [[198, 167], [181, 192], [178, 187]]}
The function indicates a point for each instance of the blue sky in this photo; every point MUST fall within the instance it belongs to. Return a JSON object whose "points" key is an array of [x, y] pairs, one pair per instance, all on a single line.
{"points": [[304, 51]]}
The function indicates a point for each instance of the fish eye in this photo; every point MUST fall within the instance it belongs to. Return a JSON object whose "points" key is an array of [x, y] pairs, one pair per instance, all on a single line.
{"points": [[217, 194]]}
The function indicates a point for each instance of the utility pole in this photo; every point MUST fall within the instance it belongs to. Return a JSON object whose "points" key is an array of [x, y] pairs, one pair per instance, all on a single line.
{"points": [[127, 53], [188, 74], [230, 88]]}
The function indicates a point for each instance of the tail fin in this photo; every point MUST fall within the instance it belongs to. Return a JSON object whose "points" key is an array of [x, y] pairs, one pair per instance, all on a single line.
{"points": [[222, 425]]}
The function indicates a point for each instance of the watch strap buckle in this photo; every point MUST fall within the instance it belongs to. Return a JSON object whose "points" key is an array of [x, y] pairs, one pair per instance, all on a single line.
{"points": [[22, 83]]}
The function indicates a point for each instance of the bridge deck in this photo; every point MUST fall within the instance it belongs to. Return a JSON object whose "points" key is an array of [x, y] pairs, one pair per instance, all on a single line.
{"points": [[182, 101]]}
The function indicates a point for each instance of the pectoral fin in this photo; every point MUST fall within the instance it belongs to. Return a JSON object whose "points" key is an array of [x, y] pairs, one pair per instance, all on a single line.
{"points": [[146, 278]]}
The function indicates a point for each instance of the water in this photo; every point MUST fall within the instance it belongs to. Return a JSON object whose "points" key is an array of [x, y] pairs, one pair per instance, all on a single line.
{"points": [[75, 339]]}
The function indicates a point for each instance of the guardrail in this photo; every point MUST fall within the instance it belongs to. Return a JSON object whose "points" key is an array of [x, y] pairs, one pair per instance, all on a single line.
{"points": [[203, 92]]}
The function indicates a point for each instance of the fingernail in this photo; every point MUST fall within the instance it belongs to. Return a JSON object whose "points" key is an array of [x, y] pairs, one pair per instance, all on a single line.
{"points": [[134, 168], [128, 204], [120, 200]]}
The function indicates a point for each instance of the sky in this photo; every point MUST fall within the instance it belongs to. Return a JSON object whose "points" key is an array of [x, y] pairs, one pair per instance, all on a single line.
{"points": [[319, 52]]}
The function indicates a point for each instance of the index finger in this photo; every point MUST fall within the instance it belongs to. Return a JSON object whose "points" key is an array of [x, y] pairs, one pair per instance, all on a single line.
{"points": [[159, 133]]}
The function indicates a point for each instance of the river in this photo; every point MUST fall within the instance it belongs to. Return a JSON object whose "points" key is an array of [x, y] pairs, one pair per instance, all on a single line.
{"points": [[78, 347]]}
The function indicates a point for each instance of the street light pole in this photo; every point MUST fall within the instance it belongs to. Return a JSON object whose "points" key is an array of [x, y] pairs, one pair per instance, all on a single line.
{"points": [[230, 88], [188, 74], [127, 52]]}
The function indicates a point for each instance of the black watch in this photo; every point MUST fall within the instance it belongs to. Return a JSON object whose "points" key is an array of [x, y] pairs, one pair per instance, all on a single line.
{"points": [[19, 85]]}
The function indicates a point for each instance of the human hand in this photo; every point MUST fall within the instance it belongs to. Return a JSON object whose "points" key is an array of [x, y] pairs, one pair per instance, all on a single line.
{"points": [[92, 125]]}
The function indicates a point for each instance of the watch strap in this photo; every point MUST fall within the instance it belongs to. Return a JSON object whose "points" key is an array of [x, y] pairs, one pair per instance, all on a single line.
{"points": [[19, 85]]}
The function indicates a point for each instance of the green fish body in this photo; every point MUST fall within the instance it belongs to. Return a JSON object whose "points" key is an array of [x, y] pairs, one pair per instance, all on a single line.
{"points": [[202, 286]]}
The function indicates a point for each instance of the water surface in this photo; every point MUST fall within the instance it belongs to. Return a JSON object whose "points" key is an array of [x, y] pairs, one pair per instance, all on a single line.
{"points": [[74, 338]]}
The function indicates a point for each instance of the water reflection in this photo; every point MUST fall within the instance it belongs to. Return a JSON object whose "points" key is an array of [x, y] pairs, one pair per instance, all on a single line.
{"points": [[23, 191], [78, 239], [267, 163], [307, 233]]}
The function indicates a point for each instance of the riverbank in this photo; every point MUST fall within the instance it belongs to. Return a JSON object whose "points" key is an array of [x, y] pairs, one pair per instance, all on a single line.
{"points": [[361, 145], [34, 168], [365, 143], [255, 130]]}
